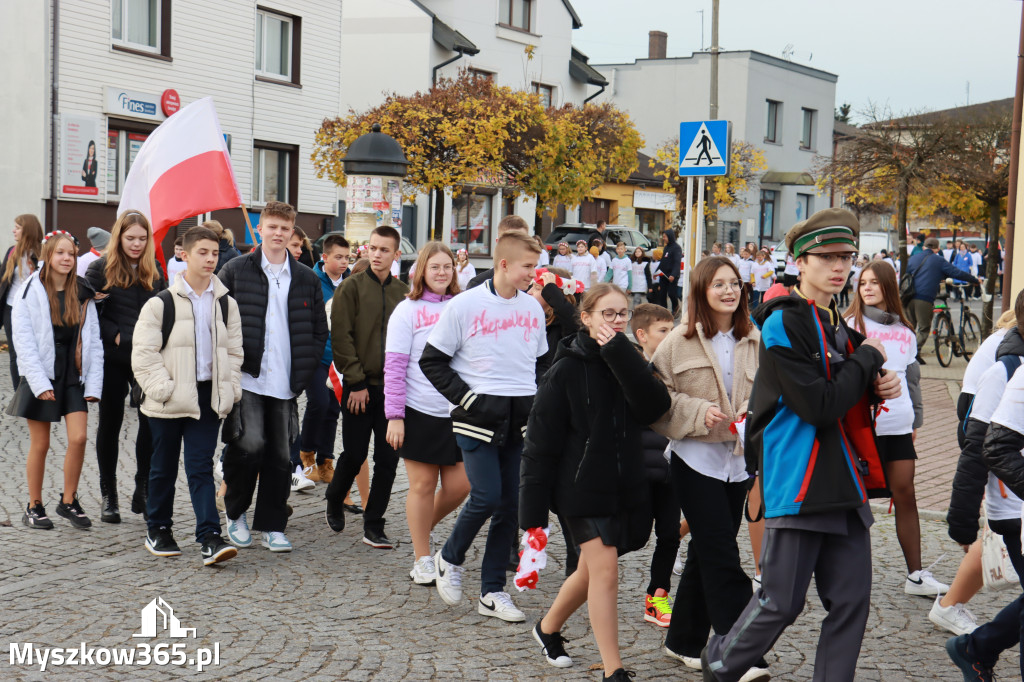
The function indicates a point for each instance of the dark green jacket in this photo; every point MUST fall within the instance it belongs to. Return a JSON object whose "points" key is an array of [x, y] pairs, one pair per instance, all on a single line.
{"points": [[359, 324]]}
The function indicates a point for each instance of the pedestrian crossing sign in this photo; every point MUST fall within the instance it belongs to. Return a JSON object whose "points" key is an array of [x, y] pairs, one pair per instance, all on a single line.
{"points": [[704, 148]]}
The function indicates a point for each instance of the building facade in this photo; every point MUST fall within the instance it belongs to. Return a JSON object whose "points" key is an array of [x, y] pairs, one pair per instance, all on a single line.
{"points": [[121, 67], [783, 108]]}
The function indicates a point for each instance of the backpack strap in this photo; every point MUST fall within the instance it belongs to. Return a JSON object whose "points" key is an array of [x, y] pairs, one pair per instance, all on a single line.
{"points": [[168, 318], [1010, 363]]}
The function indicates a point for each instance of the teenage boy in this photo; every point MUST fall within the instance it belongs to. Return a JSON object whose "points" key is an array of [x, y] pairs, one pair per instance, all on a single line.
{"points": [[190, 380], [284, 331], [651, 324], [809, 436], [320, 423], [177, 263], [360, 311], [510, 223], [483, 357]]}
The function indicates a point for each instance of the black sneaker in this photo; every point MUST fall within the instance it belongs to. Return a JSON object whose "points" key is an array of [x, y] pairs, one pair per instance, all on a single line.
{"points": [[621, 675], [160, 542], [377, 540], [215, 550], [959, 652], [35, 517], [335, 516], [553, 647], [353, 509], [73, 513]]}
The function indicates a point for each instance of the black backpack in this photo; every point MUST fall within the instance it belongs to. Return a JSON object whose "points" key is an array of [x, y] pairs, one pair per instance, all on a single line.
{"points": [[907, 288]]}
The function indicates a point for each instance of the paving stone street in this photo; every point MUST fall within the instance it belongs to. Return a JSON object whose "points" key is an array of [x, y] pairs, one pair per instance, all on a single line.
{"points": [[337, 609]]}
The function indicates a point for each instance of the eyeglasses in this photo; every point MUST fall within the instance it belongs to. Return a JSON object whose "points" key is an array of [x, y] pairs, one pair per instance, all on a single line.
{"points": [[609, 314], [721, 287], [833, 258], [434, 269]]}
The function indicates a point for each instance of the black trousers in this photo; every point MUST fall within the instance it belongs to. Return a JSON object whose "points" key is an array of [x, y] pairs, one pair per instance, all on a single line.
{"points": [[356, 430], [116, 381], [665, 511], [15, 377], [261, 452], [713, 589]]}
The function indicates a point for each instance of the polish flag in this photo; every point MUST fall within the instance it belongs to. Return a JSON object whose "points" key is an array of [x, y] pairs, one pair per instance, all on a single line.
{"points": [[183, 169], [335, 380]]}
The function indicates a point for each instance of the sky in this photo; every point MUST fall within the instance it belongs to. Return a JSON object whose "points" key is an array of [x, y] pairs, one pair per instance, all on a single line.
{"points": [[909, 55]]}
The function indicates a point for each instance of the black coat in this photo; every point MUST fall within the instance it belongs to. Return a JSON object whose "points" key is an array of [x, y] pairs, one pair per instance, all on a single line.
{"points": [[307, 320], [583, 455], [671, 259], [226, 253], [119, 311], [975, 459], [563, 325]]}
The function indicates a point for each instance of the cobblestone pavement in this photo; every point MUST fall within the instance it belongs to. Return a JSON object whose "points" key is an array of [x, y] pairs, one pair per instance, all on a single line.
{"points": [[336, 609]]}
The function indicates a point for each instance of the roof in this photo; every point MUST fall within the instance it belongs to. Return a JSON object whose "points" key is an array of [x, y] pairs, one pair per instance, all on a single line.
{"points": [[576, 23], [584, 72], [787, 178], [840, 129], [753, 55], [446, 36], [644, 174], [970, 112]]}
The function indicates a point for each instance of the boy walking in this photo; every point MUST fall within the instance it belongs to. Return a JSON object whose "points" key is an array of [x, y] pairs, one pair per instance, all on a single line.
{"points": [[190, 380], [482, 356], [359, 321], [284, 331]]}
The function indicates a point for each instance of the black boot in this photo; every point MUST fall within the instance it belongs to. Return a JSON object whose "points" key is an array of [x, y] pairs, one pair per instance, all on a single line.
{"points": [[139, 498], [109, 512]]}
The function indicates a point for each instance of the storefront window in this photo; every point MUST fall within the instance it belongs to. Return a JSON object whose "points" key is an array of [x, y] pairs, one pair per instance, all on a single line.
{"points": [[122, 148], [471, 224], [651, 223]]}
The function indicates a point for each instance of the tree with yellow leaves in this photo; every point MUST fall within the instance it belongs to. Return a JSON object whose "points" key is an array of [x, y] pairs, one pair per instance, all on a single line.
{"points": [[746, 162]]}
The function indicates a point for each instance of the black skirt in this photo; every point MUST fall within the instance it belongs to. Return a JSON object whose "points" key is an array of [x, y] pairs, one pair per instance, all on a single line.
{"points": [[429, 439], [628, 531], [69, 394], [896, 448]]}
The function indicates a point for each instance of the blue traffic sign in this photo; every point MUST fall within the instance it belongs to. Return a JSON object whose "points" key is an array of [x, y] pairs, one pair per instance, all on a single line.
{"points": [[704, 148]]}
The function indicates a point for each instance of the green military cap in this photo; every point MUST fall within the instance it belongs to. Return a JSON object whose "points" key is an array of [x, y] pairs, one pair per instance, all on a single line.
{"points": [[830, 226]]}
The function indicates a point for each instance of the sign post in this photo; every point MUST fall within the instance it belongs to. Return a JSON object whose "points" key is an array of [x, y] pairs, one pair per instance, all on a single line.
{"points": [[704, 150]]}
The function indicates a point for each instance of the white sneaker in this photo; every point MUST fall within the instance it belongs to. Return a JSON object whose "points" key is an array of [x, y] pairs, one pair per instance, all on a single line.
{"points": [[693, 663], [956, 618], [756, 675], [449, 580], [300, 480], [677, 568], [499, 605], [238, 532], [423, 572], [276, 541], [923, 584]]}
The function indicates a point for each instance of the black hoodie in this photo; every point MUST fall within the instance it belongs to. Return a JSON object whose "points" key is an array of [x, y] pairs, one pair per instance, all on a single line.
{"points": [[671, 257]]}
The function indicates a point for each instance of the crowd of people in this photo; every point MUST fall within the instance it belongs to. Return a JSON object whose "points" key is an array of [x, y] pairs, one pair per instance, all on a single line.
{"points": [[508, 396]]}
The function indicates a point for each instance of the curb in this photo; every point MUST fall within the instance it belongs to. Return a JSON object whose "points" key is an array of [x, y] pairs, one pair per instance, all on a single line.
{"points": [[925, 514]]}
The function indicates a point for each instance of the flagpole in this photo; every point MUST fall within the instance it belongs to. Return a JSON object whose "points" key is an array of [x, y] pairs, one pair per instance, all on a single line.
{"points": [[248, 224]]}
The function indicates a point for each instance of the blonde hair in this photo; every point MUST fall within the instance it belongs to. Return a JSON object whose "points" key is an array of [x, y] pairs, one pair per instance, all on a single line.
{"points": [[119, 271], [219, 230], [72, 312], [29, 244], [511, 240], [419, 278]]}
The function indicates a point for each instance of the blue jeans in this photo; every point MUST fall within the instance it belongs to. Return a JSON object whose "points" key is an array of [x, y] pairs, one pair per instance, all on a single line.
{"points": [[200, 437], [320, 422], [493, 474]]}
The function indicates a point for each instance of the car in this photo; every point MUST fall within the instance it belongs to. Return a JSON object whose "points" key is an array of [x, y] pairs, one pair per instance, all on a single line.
{"points": [[573, 232]]}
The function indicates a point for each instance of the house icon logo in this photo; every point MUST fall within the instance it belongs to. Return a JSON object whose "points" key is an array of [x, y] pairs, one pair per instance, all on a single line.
{"points": [[158, 617]]}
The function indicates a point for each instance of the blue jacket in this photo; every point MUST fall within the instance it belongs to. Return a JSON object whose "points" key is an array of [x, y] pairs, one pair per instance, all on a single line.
{"points": [[963, 261], [328, 288], [931, 274]]}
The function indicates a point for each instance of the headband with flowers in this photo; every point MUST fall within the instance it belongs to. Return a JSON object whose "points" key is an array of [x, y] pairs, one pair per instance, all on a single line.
{"points": [[60, 233]]}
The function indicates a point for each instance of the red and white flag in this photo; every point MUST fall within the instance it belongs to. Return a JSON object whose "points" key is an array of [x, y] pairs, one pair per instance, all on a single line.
{"points": [[183, 169]]}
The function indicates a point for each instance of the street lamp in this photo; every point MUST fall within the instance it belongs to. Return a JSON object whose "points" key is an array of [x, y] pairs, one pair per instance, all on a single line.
{"points": [[374, 167]]}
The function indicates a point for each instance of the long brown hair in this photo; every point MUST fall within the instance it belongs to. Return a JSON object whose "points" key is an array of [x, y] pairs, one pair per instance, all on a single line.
{"points": [[28, 245], [49, 280], [886, 276], [419, 278], [119, 272], [699, 310]]}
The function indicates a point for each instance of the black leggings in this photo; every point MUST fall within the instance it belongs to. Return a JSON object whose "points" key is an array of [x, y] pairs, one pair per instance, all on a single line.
{"points": [[116, 378]]}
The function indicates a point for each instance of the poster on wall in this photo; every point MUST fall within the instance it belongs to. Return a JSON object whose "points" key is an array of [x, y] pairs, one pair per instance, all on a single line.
{"points": [[81, 138]]}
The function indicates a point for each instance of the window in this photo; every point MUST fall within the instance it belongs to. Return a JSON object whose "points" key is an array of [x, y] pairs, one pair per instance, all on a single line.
{"points": [[515, 13], [546, 92], [277, 47], [480, 74], [274, 172], [767, 230], [771, 131], [803, 207], [471, 224], [124, 140], [807, 134], [141, 26]]}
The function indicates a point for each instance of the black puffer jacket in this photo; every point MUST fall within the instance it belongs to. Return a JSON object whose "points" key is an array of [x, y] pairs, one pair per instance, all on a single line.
{"points": [[972, 468], [307, 320], [119, 311], [583, 456], [226, 253], [563, 325], [1002, 451]]}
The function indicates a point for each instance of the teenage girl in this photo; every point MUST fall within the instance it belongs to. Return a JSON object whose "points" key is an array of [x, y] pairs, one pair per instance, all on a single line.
{"points": [[583, 456], [56, 326], [464, 270], [301, 248], [641, 279], [19, 263], [562, 259]]}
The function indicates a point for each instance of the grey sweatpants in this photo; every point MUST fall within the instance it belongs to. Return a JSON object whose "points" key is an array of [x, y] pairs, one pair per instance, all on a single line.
{"points": [[920, 314], [841, 565]]}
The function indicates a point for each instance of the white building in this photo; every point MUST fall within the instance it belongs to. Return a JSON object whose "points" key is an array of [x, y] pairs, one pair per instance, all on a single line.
{"points": [[784, 108], [122, 66], [405, 45]]}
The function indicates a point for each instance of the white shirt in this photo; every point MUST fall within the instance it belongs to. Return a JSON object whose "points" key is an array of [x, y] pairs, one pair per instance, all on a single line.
{"points": [[982, 359], [409, 327], [746, 268], [84, 260], [465, 274], [639, 278], [763, 275], [202, 313], [494, 342], [976, 257], [715, 460], [601, 265], [22, 271], [655, 272], [274, 380], [621, 272], [396, 267], [791, 267], [947, 254], [174, 266], [583, 267], [543, 258], [1000, 401], [561, 261], [735, 258], [900, 351]]}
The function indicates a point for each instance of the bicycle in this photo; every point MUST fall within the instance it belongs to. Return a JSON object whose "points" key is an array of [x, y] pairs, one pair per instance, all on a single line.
{"points": [[965, 341]]}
